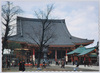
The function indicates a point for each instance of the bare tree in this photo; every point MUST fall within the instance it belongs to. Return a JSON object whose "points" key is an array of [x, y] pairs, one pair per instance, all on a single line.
{"points": [[9, 12], [43, 34]]}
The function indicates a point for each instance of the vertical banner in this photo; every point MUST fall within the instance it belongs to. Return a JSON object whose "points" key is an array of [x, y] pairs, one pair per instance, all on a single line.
{"points": [[34, 56], [66, 56]]}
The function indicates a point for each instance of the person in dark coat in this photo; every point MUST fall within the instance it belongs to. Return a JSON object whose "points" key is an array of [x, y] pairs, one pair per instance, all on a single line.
{"points": [[85, 63], [73, 62], [58, 62], [77, 66], [23, 66], [44, 64], [91, 63], [62, 64], [8, 64], [20, 66], [32, 62], [78, 63]]}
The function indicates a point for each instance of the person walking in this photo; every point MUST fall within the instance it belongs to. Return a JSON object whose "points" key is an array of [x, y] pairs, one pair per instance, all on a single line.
{"points": [[77, 66], [73, 62], [78, 63], [44, 64], [20, 66], [59, 62], [84, 63], [23, 66], [32, 62], [8, 64], [91, 63], [62, 64]]}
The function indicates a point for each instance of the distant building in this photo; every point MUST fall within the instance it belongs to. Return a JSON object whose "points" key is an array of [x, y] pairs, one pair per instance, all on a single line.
{"points": [[58, 47]]}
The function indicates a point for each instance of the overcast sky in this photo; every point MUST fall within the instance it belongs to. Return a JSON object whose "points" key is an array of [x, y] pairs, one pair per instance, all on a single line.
{"points": [[81, 16]]}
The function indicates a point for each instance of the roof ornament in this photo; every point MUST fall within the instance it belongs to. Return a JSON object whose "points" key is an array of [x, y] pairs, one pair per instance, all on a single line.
{"points": [[81, 45]]}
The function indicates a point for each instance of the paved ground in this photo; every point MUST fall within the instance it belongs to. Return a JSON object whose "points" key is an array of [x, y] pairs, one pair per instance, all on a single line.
{"points": [[55, 68]]}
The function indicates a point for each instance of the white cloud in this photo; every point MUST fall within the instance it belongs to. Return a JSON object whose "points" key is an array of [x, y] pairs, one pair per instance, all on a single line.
{"points": [[27, 15], [91, 8]]}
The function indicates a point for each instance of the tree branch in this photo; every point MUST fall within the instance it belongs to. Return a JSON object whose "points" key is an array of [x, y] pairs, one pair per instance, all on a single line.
{"points": [[7, 11], [47, 39], [3, 23], [33, 39], [47, 25]]}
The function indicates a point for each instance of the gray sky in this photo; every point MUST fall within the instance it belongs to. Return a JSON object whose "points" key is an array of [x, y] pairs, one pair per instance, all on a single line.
{"points": [[81, 16]]}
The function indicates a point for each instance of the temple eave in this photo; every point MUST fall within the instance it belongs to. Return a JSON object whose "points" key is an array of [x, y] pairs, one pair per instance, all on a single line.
{"points": [[37, 45], [62, 45], [85, 43]]}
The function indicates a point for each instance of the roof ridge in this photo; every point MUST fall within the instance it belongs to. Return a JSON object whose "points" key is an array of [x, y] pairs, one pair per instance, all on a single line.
{"points": [[20, 17]]}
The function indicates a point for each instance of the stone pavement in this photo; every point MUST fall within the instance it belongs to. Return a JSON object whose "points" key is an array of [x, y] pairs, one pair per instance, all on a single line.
{"points": [[82, 66], [54, 67], [87, 67]]}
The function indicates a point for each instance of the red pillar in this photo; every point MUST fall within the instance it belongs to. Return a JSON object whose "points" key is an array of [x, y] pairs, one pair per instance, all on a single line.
{"points": [[77, 58], [66, 56], [34, 55], [72, 58], [55, 55], [89, 59], [84, 59]]}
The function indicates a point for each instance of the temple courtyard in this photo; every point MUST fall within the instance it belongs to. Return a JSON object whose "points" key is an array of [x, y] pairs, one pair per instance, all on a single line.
{"points": [[54, 67]]}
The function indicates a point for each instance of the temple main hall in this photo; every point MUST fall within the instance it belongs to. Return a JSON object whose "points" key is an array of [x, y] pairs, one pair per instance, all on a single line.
{"points": [[59, 46]]}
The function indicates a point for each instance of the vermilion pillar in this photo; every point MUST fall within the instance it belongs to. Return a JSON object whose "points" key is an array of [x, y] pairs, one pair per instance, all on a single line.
{"points": [[34, 55], [66, 56], [72, 58], [55, 55], [84, 59], [89, 59], [77, 59]]}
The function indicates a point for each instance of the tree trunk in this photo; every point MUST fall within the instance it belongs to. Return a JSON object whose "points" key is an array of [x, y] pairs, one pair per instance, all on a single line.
{"points": [[4, 42], [39, 58]]}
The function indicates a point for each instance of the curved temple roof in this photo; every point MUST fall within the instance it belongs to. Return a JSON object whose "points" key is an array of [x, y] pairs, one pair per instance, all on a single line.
{"points": [[32, 27]]}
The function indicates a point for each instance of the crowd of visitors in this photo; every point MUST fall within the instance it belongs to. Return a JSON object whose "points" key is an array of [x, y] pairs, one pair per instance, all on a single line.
{"points": [[61, 62], [87, 63]]}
